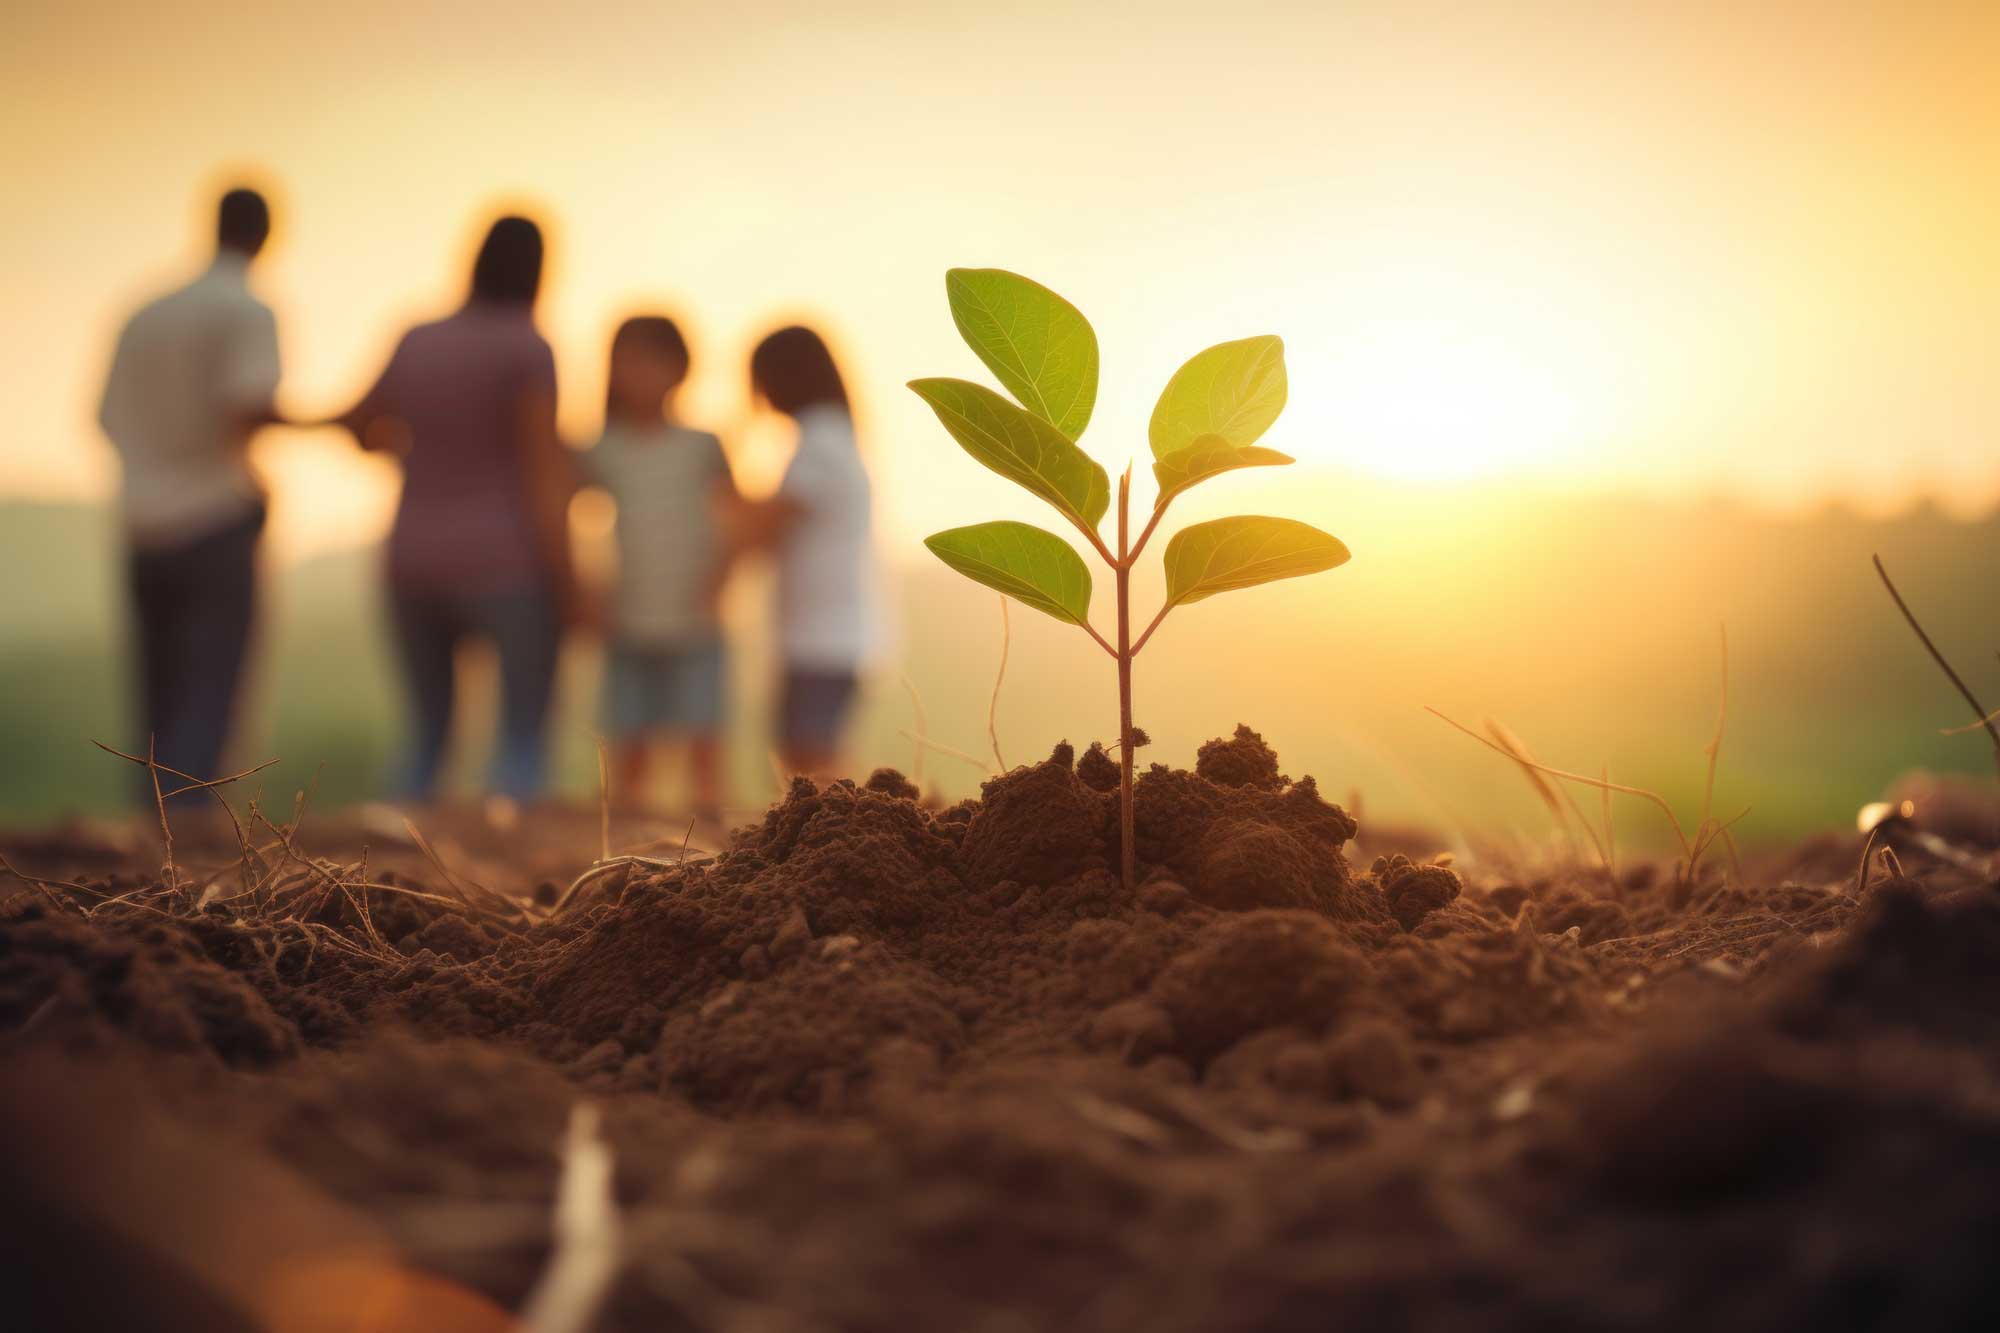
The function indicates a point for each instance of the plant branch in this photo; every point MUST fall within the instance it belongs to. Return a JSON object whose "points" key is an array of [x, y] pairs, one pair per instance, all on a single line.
{"points": [[1159, 512], [1150, 628], [1103, 551], [1978, 709], [1101, 641]]}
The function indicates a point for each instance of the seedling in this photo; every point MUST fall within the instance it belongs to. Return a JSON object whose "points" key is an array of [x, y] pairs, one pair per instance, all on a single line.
{"points": [[1207, 422]]}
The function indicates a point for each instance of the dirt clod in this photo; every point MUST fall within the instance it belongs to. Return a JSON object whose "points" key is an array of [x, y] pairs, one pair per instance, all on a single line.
{"points": [[1242, 761], [1034, 825], [1413, 891], [1254, 971]]}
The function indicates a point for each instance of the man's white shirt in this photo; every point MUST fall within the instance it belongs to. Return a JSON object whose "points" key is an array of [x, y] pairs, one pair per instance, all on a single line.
{"points": [[190, 369]]}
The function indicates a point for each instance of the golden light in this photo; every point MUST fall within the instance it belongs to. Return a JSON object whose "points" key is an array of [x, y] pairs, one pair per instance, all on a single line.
{"points": [[1427, 374]]}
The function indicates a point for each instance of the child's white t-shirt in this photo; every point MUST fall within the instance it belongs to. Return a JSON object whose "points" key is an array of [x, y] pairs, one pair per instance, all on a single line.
{"points": [[827, 618], [663, 478]]}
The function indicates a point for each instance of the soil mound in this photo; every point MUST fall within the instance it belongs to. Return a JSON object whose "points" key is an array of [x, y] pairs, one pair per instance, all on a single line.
{"points": [[154, 984], [1037, 825], [1258, 970], [882, 1066], [1242, 761]]}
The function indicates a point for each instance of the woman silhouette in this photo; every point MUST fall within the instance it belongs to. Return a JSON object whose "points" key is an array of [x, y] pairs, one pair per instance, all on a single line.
{"points": [[480, 546]]}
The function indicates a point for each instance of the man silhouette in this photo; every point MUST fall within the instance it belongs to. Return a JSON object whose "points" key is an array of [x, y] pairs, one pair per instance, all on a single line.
{"points": [[192, 380]]}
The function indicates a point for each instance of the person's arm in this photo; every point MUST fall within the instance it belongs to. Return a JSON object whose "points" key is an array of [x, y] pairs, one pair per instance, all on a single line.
{"points": [[371, 420], [250, 371], [725, 502], [550, 477], [758, 525], [113, 408], [722, 480]]}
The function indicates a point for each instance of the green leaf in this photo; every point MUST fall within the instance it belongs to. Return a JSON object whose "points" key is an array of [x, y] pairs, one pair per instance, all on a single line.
{"points": [[1037, 344], [1234, 389], [1021, 447], [1229, 553], [1207, 457], [1023, 561]]}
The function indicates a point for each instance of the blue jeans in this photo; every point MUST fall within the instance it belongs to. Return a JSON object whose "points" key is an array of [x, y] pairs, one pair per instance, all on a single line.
{"points": [[527, 637], [192, 607]]}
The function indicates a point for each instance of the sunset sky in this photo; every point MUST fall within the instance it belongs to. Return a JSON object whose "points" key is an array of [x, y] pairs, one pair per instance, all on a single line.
{"points": [[1683, 247]]}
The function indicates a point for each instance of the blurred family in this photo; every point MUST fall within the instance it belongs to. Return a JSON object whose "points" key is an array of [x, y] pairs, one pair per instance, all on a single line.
{"points": [[480, 548]]}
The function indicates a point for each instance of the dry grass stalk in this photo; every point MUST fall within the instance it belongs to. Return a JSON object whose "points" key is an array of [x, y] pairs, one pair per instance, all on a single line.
{"points": [[150, 762], [1861, 870], [993, 706], [1680, 835], [1558, 799], [1707, 829], [1610, 831], [923, 733], [1706, 832], [928, 744], [1970, 727], [1547, 791], [470, 890], [1990, 721], [603, 803]]}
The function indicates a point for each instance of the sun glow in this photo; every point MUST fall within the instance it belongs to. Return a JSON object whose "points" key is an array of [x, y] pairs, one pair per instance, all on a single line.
{"points": [[1423, 374]]}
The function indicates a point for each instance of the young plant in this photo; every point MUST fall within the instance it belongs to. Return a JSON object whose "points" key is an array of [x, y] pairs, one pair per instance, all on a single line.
{"points": [[1207, 422]]}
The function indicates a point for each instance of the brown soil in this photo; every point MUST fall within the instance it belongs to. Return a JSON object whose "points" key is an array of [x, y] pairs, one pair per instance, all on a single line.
{"points": [[884, 1067]]}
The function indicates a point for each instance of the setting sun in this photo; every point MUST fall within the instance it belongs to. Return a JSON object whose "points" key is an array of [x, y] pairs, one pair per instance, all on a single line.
{"points": [[1448, 388]]}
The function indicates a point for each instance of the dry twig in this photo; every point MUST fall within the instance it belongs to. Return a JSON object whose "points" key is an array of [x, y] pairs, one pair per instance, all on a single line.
{"points": [[1679, 834], [603, 803], [993, 706], [923, 733], [1987, 719], [587, 1252], [927, 744]]}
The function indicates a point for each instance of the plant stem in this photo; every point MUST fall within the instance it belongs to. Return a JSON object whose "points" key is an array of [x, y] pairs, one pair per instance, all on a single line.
{"points": [[1126, 873], [1159, 511]]}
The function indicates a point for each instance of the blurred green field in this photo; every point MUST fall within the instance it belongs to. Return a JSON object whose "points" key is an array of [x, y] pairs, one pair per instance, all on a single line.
{"points": [[1589, 626]]}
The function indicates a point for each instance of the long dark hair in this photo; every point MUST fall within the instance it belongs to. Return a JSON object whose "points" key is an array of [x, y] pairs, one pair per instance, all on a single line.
{"points": [[657, 332], [509, 268], [792, 370]]}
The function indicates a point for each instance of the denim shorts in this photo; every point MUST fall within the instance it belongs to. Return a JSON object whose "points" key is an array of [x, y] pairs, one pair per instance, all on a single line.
{"points": [[813, 707], [676, 688]]}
